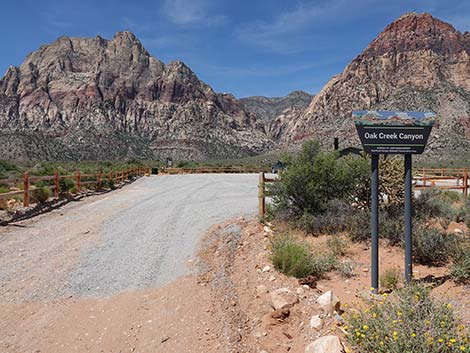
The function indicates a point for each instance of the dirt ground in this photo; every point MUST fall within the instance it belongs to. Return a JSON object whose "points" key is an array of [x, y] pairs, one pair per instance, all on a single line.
{"points": [[225, 306]]}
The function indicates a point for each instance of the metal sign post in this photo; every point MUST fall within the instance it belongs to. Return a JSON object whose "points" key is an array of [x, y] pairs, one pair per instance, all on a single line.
{"points": [[391, 132], [408, 219], [375, 223]]}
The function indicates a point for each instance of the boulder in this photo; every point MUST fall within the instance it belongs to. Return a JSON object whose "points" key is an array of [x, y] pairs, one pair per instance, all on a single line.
{"points": [[329, 302], [325, 344], [283, 298], [316, 322]]}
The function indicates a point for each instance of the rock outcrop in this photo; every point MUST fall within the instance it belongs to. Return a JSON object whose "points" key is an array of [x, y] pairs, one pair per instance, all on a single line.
{"points": [[277, 111], [92, 98], [417, 63]]}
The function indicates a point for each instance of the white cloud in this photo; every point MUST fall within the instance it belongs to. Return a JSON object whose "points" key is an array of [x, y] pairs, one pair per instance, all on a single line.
{"points": [[190, 12]]}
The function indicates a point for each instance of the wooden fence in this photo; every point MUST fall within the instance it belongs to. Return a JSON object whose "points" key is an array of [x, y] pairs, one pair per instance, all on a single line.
{"points": [[442, 178], [79, 179], [204, 170]]}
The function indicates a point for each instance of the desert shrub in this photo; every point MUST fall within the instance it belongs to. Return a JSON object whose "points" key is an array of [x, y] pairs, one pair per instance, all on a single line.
{"points": [[460, 269], [74, 190], [40, 195], [389, 279], [464, 212], [294, 258], [291, 256], [360, 228], [433, 203], [408, 321], [314, 178], [346, 268], [6, 166], [66, 185], [338, 217], [337, 245], [450, 196], [390, 225], [3, 190], [108, 184], [432, 247]]}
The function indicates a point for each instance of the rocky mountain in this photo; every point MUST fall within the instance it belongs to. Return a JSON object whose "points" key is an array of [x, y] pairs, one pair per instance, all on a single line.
{"points": [[417, 63], [92, 98], [277, 111], [270, 107]]}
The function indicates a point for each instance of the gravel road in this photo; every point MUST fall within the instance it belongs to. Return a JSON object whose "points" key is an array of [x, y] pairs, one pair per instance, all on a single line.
{"points": [[141, 236]]}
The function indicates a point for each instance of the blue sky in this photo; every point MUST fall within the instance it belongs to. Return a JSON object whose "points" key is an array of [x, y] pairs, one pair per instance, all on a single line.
{"points": [[265, 47]]}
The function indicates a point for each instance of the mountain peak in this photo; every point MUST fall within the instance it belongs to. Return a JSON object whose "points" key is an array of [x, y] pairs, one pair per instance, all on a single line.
{"points": [[414, 32], [126, 35]]}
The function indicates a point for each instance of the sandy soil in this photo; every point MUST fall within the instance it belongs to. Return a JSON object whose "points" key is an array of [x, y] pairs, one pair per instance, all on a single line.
{"points": [[219, 301]]}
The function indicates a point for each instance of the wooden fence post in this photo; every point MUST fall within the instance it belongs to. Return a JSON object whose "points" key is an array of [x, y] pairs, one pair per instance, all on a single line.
{"points": [[122, 176], [77, 177], [261, 199], [56, 184], [465, 182], [26, 189], [99, 181]]}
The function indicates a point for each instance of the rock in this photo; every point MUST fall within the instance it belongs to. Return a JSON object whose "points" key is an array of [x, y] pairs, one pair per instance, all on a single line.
{"points": [[272, 278], [300, 291], [310, 281], [267, 229], [283, 298], [326, 344], [316, 322], [280, 315], [262, 289], [266, 268], [457, 228], [329, 302]]}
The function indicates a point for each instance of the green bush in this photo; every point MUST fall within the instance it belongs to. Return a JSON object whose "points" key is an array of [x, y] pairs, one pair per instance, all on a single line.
{"points": [[66, 185], [346, 268], [450, 196], [464, 212], [432, 247], [291, 257], [338, 217], [389, 279], [433, 203], [460, 269], [336, 245], [314, 178], [294, 258], [40, 195], [108, 184], [409, 321], [390, 225]]}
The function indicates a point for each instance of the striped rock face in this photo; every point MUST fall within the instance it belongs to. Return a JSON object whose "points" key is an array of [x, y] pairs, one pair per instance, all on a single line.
{"points": [[417, 63], [92, 98]]}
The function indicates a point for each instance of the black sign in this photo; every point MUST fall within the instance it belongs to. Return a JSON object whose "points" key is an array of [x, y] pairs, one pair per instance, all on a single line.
{"points": [[385, 132], [393, 139]]}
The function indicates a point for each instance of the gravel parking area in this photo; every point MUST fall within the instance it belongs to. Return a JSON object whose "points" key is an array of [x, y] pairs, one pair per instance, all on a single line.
{"points": [[142, 236]]}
